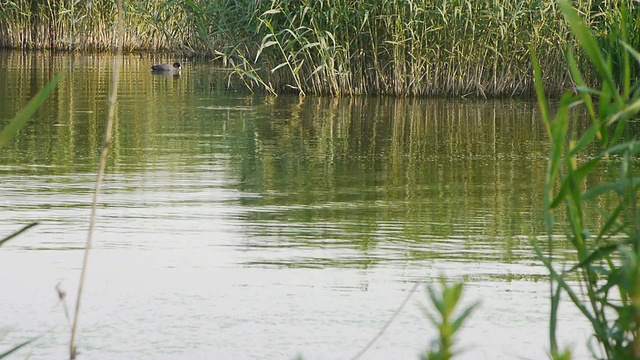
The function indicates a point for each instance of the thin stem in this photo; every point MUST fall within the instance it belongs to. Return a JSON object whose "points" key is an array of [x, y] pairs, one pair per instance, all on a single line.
{"points": [[386, 325], [101, 168]]}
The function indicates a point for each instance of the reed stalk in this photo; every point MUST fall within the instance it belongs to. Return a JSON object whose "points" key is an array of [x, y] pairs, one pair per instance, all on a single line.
{"points": [[607, 254], [100, 175], [346, 47]]}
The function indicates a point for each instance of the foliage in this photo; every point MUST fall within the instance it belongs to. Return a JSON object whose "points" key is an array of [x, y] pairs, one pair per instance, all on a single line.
{"points": [[607, 261], [445, 300], [23, 115], [440, 47], [16, 348], [24, 228]]}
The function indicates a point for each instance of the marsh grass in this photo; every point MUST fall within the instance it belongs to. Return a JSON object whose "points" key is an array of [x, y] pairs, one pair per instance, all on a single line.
{"points": [[346, 47], [607, 254], [409, 48]]}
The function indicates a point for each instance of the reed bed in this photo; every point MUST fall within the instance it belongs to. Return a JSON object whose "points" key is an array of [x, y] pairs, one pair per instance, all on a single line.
{"points": [[340, 47]]}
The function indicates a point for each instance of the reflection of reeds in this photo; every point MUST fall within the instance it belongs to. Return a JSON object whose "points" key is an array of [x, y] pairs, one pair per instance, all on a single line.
{"points": [[425, 163]]}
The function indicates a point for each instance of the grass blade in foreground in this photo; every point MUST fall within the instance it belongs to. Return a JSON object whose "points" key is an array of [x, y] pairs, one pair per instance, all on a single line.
{"points": [[445, 301], [607, 267], [26, 112], [25, 228], [18, 347]]}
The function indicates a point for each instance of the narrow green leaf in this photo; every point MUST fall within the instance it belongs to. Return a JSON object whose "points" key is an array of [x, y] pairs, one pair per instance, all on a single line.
{"points": [[632, 51], [632, 146], [17, 347], [615, 278], [559, 279], [612, 219], [24, 228], [581, 86], [279, 66], [585, 140], [589, 44], [601, 189], [271, 12], [596, 255], [628, 111], [585, 169], [562, 194], [575, 176], [25, 113], [458, 322], [553, 319], [542, 98]]}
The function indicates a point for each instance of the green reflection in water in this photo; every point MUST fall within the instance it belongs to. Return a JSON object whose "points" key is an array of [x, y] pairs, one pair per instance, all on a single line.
{"points": [[416, 178], [330, 182]]}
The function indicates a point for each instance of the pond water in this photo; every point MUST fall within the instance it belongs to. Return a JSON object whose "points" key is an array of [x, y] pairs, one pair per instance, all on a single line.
{"points": [[246, 226]]}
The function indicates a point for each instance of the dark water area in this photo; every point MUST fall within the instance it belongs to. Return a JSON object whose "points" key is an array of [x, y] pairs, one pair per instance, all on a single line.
{"points": [[240, 225]]}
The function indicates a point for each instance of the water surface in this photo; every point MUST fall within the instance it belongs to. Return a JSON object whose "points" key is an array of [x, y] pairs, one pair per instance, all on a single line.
{"points": [[245, 226]]}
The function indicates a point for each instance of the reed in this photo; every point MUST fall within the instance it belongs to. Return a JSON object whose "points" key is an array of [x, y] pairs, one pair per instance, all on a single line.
{"points": [[607, 254], [440, 47], [423, 48]]}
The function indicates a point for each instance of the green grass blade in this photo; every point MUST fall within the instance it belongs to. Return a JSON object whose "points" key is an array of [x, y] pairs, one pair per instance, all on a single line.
{"points": [[581, 85], [612, 219], [632, 51], [585, 140], [596, 255], [559, 279], [25, 228], [25, 113], [542, 98], [589, 44], [632, 146], [459, 321], [601, 189], [17, 347], [575, 177], [553, 319]]}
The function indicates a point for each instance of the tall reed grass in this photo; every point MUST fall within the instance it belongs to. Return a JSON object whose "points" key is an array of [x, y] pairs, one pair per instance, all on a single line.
{"points": [[439, 47], [607, 254]]}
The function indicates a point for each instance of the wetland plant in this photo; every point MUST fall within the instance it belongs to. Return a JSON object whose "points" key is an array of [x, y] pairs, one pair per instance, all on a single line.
{"points": [[447, 319], [391, 47], [603, 281]]}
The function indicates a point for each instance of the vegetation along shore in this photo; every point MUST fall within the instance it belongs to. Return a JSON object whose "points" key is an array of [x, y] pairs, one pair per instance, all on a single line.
{"points": [[347, 47]]}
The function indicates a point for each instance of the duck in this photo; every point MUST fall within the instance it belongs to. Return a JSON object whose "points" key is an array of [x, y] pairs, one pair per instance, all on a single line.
{"points": [[175, 68]]}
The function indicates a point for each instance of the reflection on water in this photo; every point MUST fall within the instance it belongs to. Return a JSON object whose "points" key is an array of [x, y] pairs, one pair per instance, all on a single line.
{"points": [[235, 225]]}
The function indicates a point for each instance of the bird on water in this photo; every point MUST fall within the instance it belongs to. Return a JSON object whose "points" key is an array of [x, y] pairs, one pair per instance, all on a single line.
{"points": [[166, 67]]}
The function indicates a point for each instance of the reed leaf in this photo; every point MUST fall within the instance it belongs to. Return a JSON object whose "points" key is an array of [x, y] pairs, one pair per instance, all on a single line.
{"points": [[25, 113], [23, 229], [17, 347], [589, 45]]}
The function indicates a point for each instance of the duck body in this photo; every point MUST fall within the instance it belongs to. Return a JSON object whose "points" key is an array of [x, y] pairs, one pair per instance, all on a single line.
{"points": [[167, 68]]}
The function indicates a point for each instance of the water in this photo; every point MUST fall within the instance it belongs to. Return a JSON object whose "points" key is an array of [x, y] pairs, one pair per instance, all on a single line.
{"points": [[238, 225]]}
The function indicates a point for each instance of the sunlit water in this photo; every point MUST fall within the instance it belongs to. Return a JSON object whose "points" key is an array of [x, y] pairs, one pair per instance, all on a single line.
{"points": [[240, 226]]}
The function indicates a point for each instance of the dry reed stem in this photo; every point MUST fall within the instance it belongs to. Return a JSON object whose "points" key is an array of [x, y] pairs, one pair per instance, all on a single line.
{"points": [[101, 169]]}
